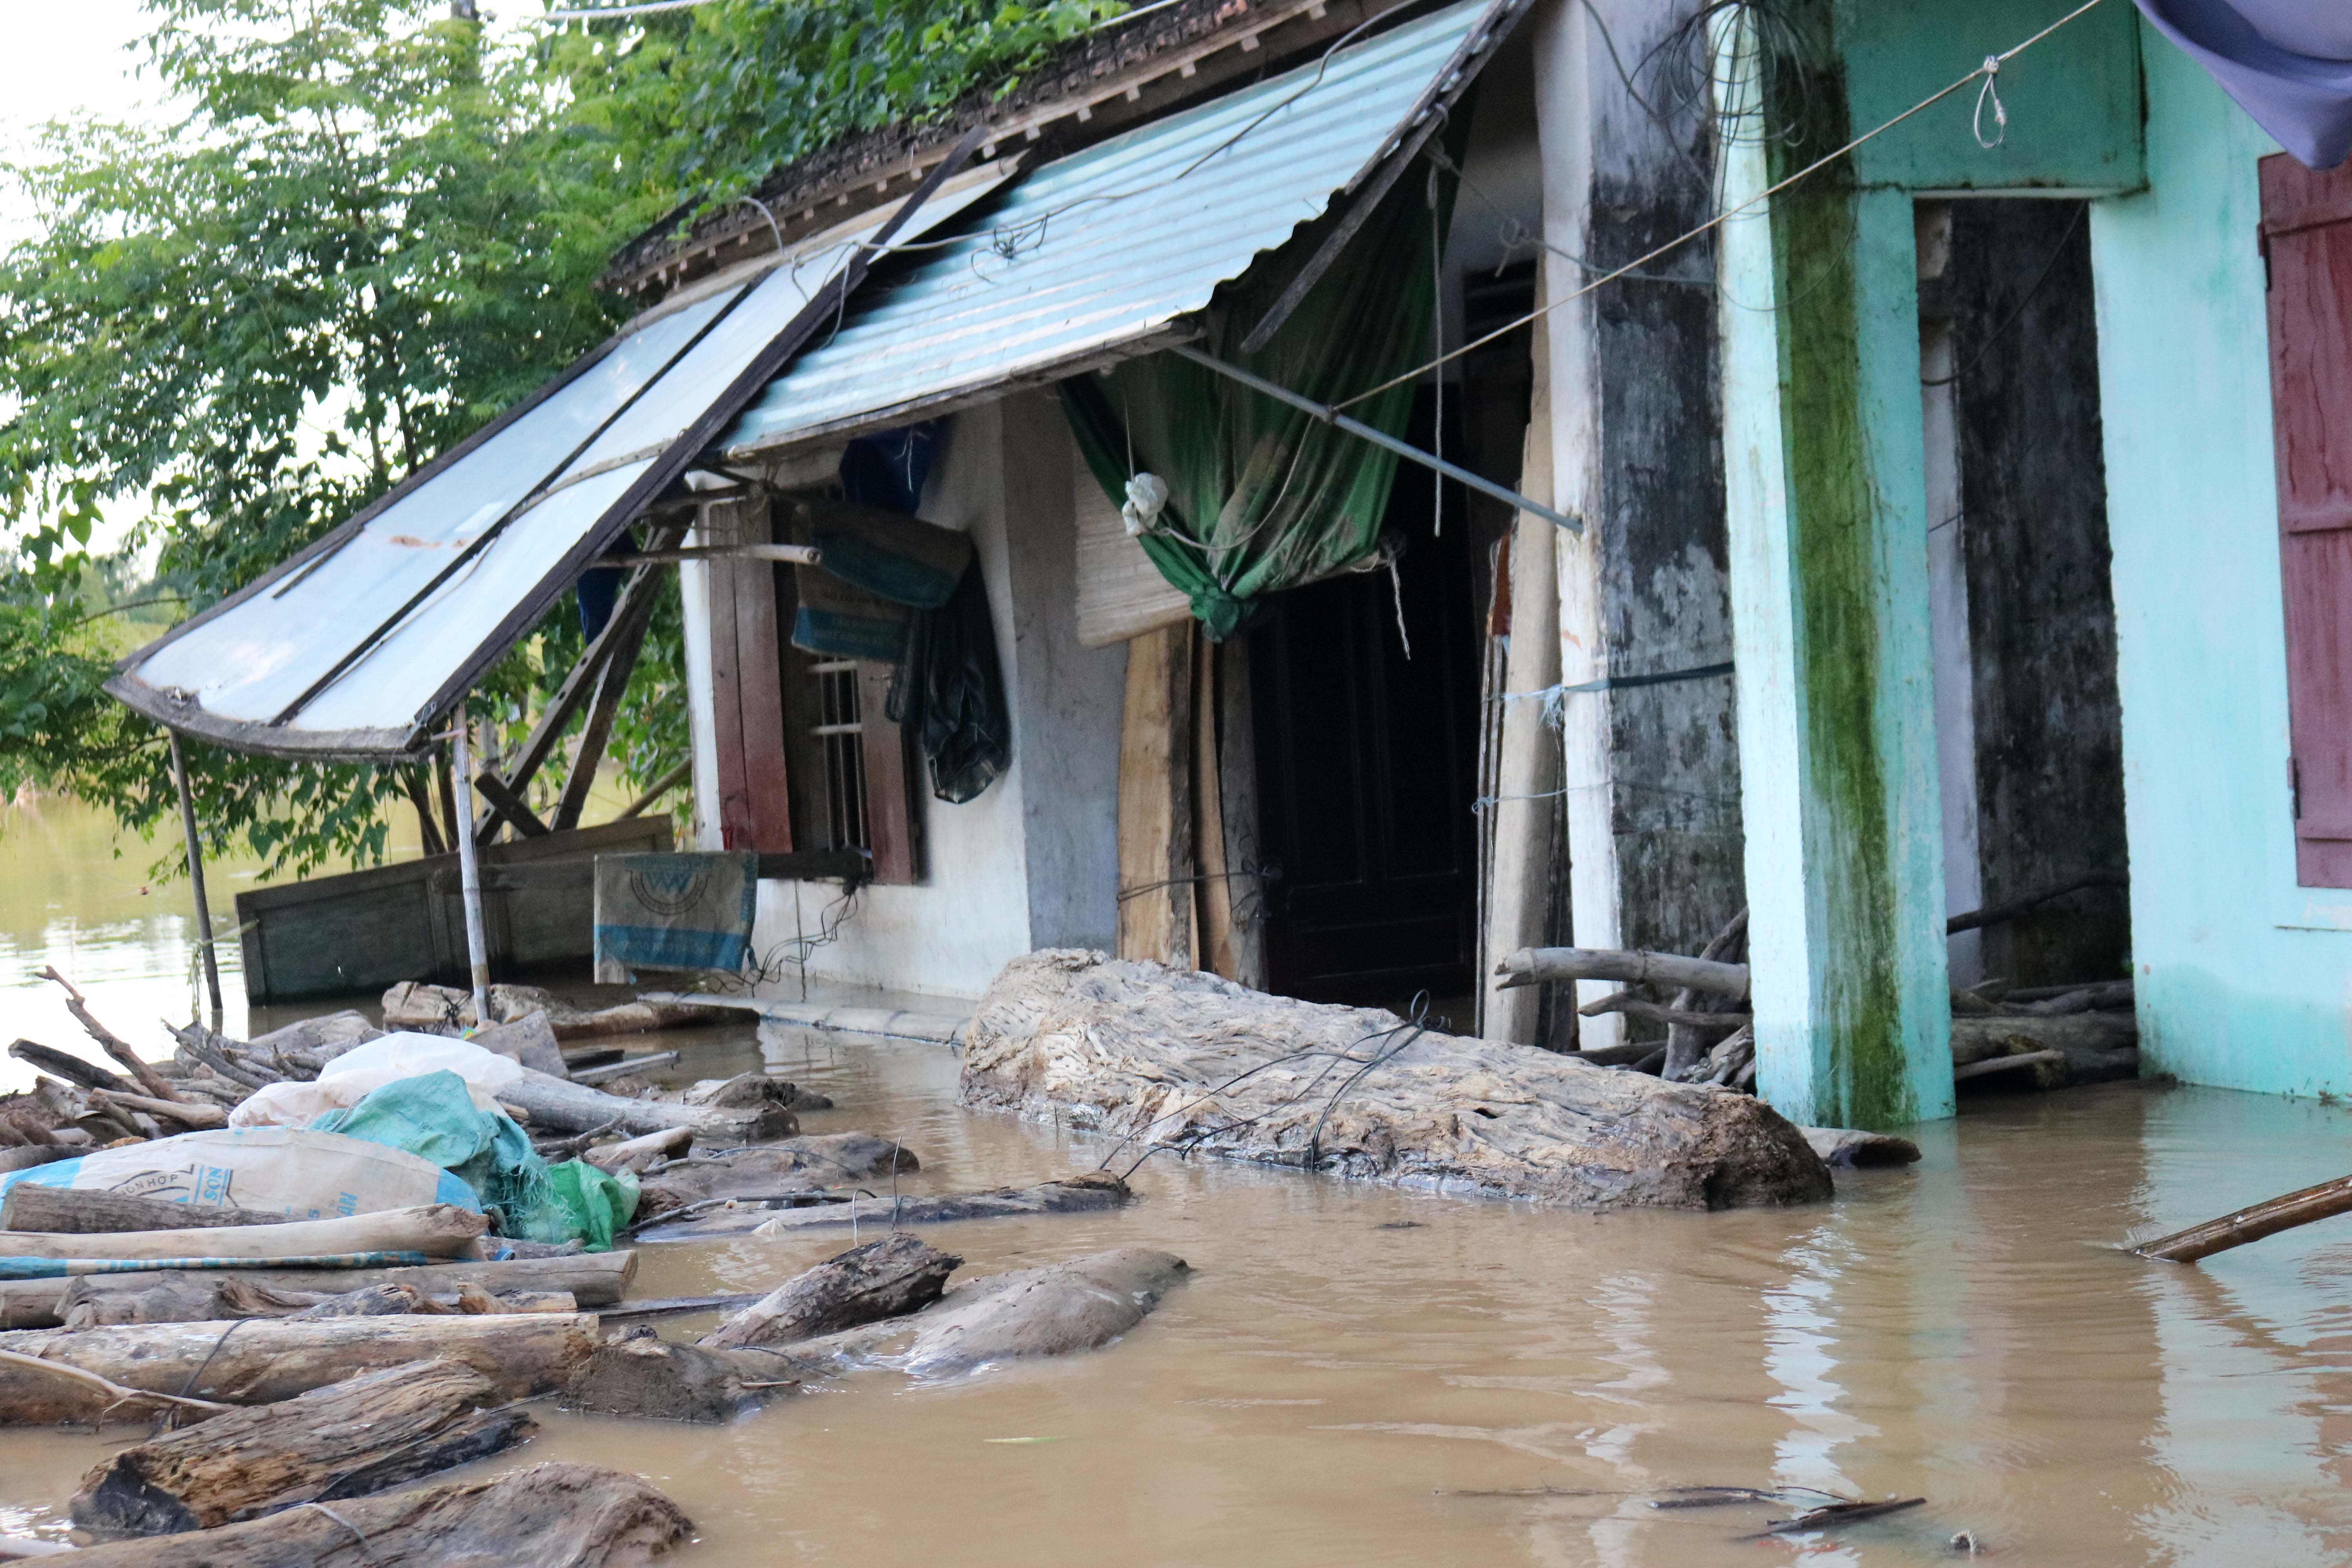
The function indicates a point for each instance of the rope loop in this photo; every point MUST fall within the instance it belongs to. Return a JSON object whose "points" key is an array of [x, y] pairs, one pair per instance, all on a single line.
{"points": [[1991, 89]]}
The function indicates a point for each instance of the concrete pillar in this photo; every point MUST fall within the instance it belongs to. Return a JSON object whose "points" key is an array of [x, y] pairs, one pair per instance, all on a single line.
{"points": [[1827, 496]]}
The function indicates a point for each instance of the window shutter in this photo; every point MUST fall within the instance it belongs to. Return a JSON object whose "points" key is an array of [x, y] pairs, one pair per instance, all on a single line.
{"points": [[2307, 238], [754, 802]]}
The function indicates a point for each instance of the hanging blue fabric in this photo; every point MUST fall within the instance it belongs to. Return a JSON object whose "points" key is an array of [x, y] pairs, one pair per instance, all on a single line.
{"points": [[889, 468], [599, 586]]}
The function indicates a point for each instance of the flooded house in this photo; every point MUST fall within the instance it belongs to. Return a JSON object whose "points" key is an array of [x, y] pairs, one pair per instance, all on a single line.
{"points": [[1335, 493]]}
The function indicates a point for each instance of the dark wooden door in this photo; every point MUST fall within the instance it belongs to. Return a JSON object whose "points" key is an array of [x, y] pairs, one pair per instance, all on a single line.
{"points": [[2307, 233], [1367, 762]]}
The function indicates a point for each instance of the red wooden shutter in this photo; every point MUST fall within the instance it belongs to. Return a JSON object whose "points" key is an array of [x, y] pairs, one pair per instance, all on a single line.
{"points": [[2308, 237], [755, 810]]}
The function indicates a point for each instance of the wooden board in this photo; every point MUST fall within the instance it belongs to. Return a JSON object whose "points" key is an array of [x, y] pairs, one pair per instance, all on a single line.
{"points": [[362, 931], [1121, 594], [1156, 917]]}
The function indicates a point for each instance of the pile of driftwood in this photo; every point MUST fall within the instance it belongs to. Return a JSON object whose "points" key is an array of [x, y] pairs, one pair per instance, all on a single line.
{"points": [[2059, 1034]]}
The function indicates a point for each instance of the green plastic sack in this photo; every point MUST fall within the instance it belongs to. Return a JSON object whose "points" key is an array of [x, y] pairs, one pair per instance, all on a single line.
{"points": [[431, 1115], [600, 1203]]}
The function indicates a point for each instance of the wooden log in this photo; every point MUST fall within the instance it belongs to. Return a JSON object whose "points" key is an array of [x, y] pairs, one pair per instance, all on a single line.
{"points": [[2104, 996], [1063, 1308], [1158, 1057], [1535, 966], [882, 1279], [2050, 1066], [1977, 1039], [548, 1516], [788, 1214], [259, 1360], [437, 1230], [353, 1438], [79, 1005], [34, 1155], [604, 1072], [199, 1117], [574, 1108], [636, 1153], [2252, 1223], [64, 1065], [643, 1374], [1687, 1042], [1848, 1146], [1643, 1007], [75, 1211], [594, 1279]]}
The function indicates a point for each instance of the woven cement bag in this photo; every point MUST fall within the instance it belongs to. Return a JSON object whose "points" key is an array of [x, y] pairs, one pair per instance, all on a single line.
{"points": [[281, 1170]]}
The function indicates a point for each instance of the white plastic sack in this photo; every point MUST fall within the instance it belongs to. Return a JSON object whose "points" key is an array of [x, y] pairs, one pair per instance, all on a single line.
{"points": [[352, 1077], [300, 1175]]}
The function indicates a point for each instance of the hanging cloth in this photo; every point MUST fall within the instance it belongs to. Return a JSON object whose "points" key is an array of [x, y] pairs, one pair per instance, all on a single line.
{"points": [[1260, 496], [2287, 62], [949, 693]]}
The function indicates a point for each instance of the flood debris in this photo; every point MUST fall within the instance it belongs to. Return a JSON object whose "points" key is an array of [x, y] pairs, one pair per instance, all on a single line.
{"points": [[787, 1165], [353, 1438], [259, 1360], [2252, 1223], [550, 1516], [432, 1230], [31, 1205], [415, 1004], [1167, 1059], [1830, 1515], [591, 1279], [760, 1354], [1847, 1147], [787, 1214]]}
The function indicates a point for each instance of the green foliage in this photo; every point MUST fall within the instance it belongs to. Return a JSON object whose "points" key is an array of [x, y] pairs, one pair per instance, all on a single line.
{"points": [[707, 103], [373, 229], [372, 232]]}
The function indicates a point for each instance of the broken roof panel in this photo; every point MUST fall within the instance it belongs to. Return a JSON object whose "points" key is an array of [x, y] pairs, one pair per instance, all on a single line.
{"points": [[1103, 251], [356, 645]]}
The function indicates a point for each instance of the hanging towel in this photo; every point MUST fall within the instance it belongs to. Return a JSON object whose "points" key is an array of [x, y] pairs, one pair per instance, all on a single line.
{"points": [[674, 911]]}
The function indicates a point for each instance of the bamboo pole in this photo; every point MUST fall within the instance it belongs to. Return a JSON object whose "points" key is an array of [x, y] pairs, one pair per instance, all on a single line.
{"points": [[196, 877], [2252, 1223], [469, 878]]}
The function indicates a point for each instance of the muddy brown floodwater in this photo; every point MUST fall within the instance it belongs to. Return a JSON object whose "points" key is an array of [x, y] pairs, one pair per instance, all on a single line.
{"points": [[1356, 1375]]}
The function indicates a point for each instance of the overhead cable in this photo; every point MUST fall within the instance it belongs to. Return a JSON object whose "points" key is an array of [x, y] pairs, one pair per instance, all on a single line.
{"points": [[1991, 67]]}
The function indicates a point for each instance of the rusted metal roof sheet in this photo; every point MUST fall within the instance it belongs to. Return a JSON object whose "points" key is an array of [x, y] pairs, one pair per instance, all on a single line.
{"points": [[1108, 249]]}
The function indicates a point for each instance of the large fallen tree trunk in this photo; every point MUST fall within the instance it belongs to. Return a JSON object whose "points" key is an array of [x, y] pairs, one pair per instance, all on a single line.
{"points": [[552, 1103], [77, 1211], [436, 1230], [594, 1279], [549, 1516], [1094, 1190], [355, 1438], [258, 1361], [1167, 1059]]}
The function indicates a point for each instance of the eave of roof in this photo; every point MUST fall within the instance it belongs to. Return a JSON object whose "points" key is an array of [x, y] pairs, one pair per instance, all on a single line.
{"points": [[1099, 86]]}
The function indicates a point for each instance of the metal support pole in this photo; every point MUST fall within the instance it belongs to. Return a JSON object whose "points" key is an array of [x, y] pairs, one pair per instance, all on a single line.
{"points": [[196, 877], [469, 874], [1364, 432]]}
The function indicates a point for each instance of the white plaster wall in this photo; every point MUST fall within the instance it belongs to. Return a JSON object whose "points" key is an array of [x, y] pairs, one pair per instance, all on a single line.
{"points": [[2244, 979]]}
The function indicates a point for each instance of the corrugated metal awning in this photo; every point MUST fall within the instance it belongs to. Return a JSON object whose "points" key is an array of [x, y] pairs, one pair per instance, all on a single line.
{"points": [[357, 645], [1105, 252]]}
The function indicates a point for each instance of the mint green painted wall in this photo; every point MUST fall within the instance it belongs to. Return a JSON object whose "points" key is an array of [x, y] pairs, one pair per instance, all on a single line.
{"points": [[2244, 980], [2074, 99]]}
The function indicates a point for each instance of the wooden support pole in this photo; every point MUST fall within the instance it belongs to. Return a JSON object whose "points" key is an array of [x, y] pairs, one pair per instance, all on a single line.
{"points": [[635, 605], [660, 787], [196, 877], [508, 803], [606, 706], [469, 873]]}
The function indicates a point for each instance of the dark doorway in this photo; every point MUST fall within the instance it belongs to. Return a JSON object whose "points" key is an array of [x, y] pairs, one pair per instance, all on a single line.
{"points": [[2028, 716], [1367, 763]]}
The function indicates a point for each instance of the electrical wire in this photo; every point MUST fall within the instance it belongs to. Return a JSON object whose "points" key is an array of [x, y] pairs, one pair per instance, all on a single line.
{"points": [[1992, 62]]}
